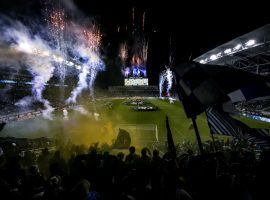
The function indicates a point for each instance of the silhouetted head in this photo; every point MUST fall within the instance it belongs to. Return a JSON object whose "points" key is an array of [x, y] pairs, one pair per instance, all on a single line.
{"points": [[132, 149], [55, 181], [34, 170], [57, 154], [45, 151], [155, 153], [120, 156], [92, 150], [106, 154], [190, 152], [144, 152]]}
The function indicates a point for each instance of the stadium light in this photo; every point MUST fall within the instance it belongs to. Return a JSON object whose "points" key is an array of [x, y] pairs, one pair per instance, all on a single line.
{"points": [[237, 47], [227, 51], [202, 62], [250, 43], [213, 57], [58, 58], [78, 67]]}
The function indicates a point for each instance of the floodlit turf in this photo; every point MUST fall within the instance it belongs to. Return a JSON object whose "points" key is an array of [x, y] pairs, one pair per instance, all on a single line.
{"points": [[254, 123], [114, 114], [180, 125]]}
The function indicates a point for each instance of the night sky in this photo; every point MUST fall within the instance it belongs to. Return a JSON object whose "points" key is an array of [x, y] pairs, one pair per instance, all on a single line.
{"points": [[194, 28]]}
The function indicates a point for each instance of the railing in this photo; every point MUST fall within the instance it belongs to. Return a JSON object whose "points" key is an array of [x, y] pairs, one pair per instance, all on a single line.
{"points": [[20, 116]]}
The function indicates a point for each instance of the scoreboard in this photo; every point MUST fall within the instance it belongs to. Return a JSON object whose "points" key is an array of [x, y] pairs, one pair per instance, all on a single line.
{"points": [[136, 81]]}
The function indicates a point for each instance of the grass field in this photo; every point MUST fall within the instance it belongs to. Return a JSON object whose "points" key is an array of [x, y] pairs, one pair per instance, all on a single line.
{"points": [[84, 129], [180, 125], [254, 123]]}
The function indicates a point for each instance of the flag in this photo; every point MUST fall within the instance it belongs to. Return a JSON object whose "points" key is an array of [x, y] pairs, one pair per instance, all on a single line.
{"points": [[123, 140], [171, 146], [259, 136], [200, 86], [222, 123], [2, 125]]}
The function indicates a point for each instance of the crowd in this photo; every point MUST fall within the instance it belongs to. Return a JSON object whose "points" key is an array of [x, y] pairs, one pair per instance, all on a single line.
{"points": [[228, 170]]}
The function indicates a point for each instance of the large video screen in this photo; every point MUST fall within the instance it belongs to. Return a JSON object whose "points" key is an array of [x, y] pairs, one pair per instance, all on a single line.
{"points": [[135, 71]]}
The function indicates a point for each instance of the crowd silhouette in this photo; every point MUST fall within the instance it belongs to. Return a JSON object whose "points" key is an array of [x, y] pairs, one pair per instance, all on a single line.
{"points": [[231, 171]]}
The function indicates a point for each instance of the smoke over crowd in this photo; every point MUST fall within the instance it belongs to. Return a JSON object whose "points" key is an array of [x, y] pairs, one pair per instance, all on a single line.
{"points": [[54, 45]]}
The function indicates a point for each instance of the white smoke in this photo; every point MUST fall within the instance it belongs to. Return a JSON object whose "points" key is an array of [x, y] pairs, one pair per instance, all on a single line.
{"points": [[82, 84], [25, 47], [24, 102], [81, 110], [37, 61], [169, 78], [161, 82], [90, 68], [165, 77]]}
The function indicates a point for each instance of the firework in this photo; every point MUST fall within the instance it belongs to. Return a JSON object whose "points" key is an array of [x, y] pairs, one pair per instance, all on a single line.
{"points": [[133, 19], [93, 38], [143, 21], [88, 44], [55, 17], [39, 66], [123, 53], [145, 52], [140, 54], [161, 82], [57, 22], [82, 84], [52, 50], [166, 77], [169, 78]]}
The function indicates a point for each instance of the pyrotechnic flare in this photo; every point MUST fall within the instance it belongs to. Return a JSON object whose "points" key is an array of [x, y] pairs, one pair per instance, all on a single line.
{"points": [[161, 82], [89, 70], [42, 57], [88, 49], [55, 17], [169, 78], [123, 53], [133, 20], [82, 84], [166, 76], [57, 27], [140, 51], [145, 52], [93, 38], [143, 21]]}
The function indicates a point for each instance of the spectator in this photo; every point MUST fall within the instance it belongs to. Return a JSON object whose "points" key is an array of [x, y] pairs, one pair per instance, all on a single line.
{"points": [[132, 158]]}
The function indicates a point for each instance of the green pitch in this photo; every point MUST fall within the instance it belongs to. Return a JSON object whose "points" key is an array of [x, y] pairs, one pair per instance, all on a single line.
{"points": [[113, 114], [180, 126]]}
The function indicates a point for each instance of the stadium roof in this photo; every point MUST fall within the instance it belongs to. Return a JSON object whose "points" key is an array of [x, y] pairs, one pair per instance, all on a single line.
{"points": [[250, 52]]}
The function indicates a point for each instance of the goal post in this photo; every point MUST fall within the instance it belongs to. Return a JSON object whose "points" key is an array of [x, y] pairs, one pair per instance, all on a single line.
{"points": [[142, 135]]}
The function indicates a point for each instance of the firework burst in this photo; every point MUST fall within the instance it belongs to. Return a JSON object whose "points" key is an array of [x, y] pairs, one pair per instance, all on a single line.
{"points": [[123, 53], [93, 38], [59, 45]]}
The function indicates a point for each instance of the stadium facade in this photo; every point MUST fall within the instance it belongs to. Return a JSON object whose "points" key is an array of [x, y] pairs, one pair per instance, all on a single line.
{"points": [[249, 52]]}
